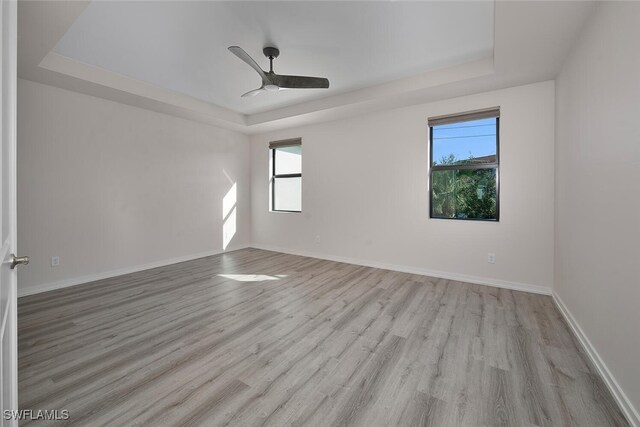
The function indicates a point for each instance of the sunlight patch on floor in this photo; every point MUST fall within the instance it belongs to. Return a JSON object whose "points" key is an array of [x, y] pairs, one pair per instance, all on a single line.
{"points": [[248, 277]]}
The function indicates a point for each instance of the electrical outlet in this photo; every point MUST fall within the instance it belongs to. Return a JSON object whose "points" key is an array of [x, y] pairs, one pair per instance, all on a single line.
{"points": [[55, 261], [491, 258]]}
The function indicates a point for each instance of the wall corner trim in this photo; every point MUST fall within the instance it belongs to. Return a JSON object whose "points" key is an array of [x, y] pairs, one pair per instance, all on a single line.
{"points": [[52, 286], [618, 394], [524, 287]]}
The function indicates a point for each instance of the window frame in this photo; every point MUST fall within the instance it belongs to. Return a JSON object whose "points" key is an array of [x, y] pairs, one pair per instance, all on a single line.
{"points": [[494, 165], [275, 176]]}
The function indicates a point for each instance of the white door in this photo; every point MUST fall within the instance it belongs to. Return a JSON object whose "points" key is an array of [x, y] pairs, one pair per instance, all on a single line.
{"points": [[8, 291]]}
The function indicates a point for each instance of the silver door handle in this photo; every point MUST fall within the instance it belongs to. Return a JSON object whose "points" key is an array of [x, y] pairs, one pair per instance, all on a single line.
{"points": [[18, 260]]}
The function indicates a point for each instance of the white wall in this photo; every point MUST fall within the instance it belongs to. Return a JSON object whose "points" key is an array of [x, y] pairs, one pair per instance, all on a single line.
{"points": [[365, 193], [597, 273], [109, 187]]}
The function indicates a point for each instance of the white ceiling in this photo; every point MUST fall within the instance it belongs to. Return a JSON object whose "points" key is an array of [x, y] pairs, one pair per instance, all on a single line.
{"points": [[531, 39], [182, 46]]}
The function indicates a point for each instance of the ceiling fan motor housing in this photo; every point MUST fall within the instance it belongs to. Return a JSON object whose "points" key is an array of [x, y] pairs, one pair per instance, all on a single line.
{"points": [[271, 52]]}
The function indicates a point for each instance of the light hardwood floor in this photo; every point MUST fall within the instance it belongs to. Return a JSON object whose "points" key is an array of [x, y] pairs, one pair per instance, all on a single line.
{"points": [[253, 337]]}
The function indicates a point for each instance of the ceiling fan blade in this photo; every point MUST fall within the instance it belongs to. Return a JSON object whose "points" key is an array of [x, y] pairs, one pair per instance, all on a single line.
{"points": [[299, 82], [240, 53], [252, 92]]}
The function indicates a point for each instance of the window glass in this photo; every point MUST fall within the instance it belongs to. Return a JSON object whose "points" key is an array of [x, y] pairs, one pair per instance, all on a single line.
{"points": [[464, 168], [464, 194], [289, 160], [465, 142], [287, 194], [286, 176]]}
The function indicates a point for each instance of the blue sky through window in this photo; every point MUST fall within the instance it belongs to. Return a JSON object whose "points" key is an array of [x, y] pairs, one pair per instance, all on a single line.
{"points": [[464, 140]]}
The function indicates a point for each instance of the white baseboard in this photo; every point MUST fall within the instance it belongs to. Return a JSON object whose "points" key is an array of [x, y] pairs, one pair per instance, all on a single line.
{"points": [[22, 292], [621, 398], [536, 289]]}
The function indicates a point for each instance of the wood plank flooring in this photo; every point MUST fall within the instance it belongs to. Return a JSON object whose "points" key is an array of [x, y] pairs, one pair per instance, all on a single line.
{"points": [[254, 337]]}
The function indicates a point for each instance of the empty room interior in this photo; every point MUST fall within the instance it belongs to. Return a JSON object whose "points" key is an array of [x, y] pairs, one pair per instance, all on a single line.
{"points": [[320, 213]]}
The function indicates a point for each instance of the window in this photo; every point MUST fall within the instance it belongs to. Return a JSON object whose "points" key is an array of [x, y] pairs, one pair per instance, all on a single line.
{"points": [[464, 166], [286, 175]]}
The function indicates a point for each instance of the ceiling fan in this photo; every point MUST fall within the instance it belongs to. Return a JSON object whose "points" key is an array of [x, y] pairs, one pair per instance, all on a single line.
{"points": [[274, 82]]}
